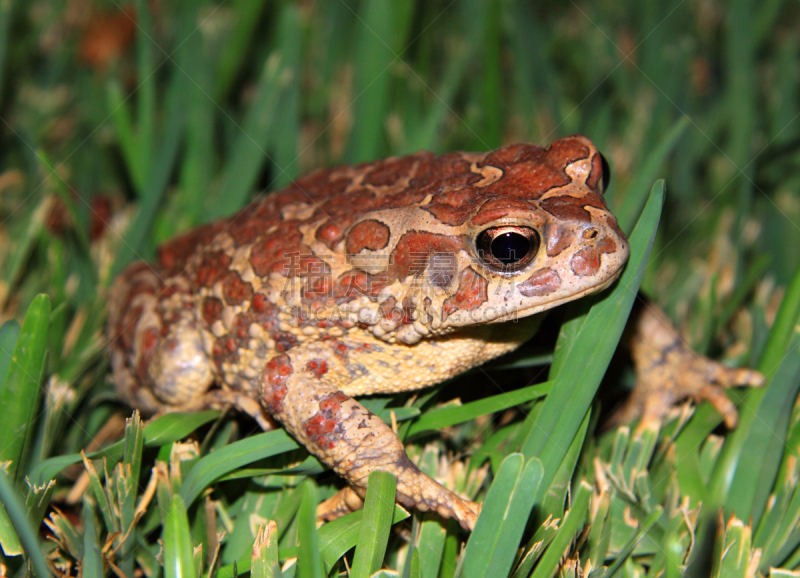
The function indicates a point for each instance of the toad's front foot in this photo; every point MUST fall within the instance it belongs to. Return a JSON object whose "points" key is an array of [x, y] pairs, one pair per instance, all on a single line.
{"points": [[668, 371]]}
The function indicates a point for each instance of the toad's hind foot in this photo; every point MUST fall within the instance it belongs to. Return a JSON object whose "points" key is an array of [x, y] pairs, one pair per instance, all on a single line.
{"points": [[347, 500], [343, 502], [668, 371]]}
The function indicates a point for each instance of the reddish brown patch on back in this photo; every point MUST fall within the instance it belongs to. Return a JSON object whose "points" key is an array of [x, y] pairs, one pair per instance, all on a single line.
{"points": [[500, 207], [213, 267], [271, 254], [454, 205], [175, 255], [212, 309], [542, 282], [587, 261], [273, 380], [471, 294], [389, 171], [234, 290], [329, 234], [370, 234], [572, 208], [558, 238], [325, 426]]}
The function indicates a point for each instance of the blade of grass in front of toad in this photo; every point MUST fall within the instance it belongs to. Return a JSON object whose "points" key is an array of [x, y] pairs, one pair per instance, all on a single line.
{"points": [[178, 559], [777, 347], [92, 562], [9, 332], [586, 357], [375, 524], [494, 542], [17, 515], [309, 555], [161, 431], [18, 398], [441, 417], [573, 522], [207, 469], [758, 467]]}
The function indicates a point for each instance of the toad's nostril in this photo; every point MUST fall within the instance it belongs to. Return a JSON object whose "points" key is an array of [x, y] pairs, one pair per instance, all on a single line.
{"points": [[590, 234]]}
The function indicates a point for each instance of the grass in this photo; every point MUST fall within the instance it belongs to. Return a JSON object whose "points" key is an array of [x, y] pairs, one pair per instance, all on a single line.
{"points": [[117, 135]]}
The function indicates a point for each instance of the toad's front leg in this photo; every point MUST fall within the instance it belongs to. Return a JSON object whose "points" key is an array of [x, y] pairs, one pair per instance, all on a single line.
{"points": [[346, 436], [668, 371]]}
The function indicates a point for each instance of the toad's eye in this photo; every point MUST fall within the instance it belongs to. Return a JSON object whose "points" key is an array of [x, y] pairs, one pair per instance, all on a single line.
{"points": [[507, 248]]}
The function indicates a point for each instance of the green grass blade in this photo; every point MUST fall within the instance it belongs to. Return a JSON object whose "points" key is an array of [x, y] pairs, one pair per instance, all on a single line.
{"points": [[38, 501], [134, 442], [161, 431], [146, 91], [586, 357], [19, 519], [777, 346], [199, 162], [120, 116], [439, 418], [339, 536], [8, 537], [573, 522], [759, 464], [264, 561], [18, 399], [733, 551], [207, 469], [781, 333], [309, 555], [178, 558], [234, 54], [628, 204], [641, 532], [92, 564], [375, 524], [136, 241], [494, 541], [9, 332], [380, 32], [430, 545], [248, 153], [414, 565], [66, 196]]}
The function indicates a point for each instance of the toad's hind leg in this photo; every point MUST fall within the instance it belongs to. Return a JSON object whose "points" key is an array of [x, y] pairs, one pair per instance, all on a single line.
{"points": [[349, 438], [159, 349]]}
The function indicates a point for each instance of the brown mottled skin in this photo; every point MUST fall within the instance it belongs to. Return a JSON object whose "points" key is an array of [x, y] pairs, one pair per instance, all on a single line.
{"points": [[375, 278]]}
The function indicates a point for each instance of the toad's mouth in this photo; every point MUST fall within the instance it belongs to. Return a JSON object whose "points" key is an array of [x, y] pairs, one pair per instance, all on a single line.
{"points": [[528, 311]]}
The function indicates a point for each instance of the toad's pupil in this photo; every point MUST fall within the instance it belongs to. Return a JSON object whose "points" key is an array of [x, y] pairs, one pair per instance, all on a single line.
{"points": [[509, 248]]}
